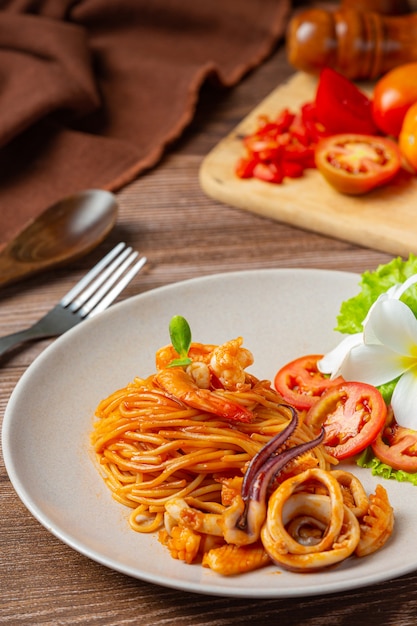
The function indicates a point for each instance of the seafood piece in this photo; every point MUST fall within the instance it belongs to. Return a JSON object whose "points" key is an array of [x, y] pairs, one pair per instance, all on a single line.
{"points": [[200, 373], [378, 523], [229, 560], [335, 530], [312, 520], [181, 386], [354, 495], [182, 543], [184, 515], [231, 487], [228, 363], [198, 352], [242, 521]]}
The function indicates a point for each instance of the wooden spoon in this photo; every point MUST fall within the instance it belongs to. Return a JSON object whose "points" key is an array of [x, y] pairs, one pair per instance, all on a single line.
{"points": [[65, 231]]}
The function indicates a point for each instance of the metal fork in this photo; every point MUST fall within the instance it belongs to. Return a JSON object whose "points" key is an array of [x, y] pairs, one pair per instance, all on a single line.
{"points": [[91, 295]]}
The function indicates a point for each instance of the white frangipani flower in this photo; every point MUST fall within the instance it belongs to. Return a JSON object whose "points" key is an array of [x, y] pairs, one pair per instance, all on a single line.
{"points": [[384, 351]]}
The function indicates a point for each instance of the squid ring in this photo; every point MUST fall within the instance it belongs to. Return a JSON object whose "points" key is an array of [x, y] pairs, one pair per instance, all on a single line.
{"points": [[360, 499], [276, 515], [341, 549], [306, 517]]}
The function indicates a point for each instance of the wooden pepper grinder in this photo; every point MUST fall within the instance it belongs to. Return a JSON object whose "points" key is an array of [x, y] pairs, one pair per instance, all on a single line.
{"points": [[360, 44], [385, 7]]}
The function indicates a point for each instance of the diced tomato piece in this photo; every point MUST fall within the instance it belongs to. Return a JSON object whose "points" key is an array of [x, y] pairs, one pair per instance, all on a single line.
{"points": [[268, 172], [292, 169], [244, 167], [284, 120], [281, 147]]}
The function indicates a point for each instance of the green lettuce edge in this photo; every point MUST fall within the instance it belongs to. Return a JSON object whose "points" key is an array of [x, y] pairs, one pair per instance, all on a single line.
{"points": [[368, 460], [372, 284]]}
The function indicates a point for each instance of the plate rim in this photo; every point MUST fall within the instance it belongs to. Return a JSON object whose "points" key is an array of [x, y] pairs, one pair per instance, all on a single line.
{"points": [[196, 587]]}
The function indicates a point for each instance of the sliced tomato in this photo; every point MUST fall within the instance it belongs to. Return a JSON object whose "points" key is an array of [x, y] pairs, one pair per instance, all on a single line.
{"points": [[352, 415], [301, 384], [397, 447], [355, 164], [341, 106]]}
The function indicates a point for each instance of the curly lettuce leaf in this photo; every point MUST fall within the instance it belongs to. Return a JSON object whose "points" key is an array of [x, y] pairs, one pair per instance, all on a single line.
{"points": [[353, 311], [378, 468]]}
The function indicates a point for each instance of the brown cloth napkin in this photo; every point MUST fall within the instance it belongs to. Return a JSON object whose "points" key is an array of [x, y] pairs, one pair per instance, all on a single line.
{"points": [[93, 91]]}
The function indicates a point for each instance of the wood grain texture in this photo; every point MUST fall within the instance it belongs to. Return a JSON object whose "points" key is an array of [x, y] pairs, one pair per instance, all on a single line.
{"points": [[384, 219], [184, 233]]}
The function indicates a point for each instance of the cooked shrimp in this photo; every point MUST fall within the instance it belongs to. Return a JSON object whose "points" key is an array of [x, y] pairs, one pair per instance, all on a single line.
{"points": [[198, 352], [229, 560], [200, 373], [176, 382], [378, 523], [228, 363], [182, 543]]}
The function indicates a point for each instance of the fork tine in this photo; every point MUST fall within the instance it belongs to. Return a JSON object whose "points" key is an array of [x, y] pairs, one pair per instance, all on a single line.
{"points": [[86, 280], [110, 273], [106, 294]]}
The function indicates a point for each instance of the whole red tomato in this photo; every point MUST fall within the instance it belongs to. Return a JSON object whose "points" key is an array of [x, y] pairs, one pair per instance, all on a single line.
{"points": [[407, 140], [394, 93]]}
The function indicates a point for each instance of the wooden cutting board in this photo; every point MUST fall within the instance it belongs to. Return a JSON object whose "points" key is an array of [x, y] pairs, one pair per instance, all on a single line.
{"points": [[385, 219]]}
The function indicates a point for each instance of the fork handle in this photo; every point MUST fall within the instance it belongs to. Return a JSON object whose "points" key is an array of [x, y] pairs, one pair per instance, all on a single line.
{"points": [[28, 334]]}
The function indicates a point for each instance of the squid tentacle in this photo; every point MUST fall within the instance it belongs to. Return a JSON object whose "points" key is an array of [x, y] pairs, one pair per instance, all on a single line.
{"points": [[269, 449], [265, 466]]}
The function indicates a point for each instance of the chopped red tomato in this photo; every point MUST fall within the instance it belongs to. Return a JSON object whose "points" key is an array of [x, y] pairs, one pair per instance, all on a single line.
{"points": [[341, 106], [270, 172], [281, 147], [355, 164], [301, 384], [352, 415], [397, 447]]}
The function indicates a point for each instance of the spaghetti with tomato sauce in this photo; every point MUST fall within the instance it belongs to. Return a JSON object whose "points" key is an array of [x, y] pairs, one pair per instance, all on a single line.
{"points": [[176, 454]]}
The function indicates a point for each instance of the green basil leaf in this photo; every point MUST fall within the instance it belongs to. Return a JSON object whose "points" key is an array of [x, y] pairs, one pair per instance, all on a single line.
{"points": [[180, 333]]}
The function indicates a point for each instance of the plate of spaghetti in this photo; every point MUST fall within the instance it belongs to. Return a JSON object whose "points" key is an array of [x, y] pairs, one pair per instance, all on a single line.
{"points": [[164, 466]]}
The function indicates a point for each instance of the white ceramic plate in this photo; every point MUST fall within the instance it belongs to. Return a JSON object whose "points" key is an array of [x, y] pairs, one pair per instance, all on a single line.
{"points": [[281, 314]]}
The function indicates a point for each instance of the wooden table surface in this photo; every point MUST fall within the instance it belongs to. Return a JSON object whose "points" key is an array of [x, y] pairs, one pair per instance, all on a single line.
{"points": [[185, 234]]}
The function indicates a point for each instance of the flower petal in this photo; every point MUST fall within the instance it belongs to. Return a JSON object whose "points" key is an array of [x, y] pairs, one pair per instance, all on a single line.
{"points": [[403, 400], [373, 364], [332, 361], [393, 324], [399, 289]]}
